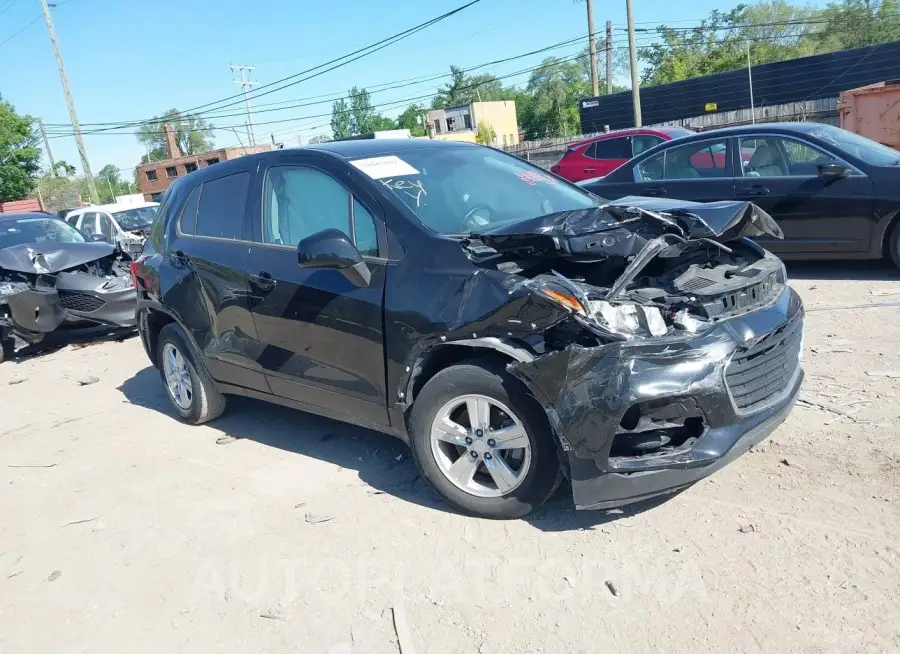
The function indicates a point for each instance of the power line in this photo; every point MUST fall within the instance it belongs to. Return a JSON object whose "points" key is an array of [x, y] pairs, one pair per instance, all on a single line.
{"points": [[36, 19]]}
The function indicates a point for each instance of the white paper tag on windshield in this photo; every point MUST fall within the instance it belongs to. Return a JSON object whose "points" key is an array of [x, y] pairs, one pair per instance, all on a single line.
{"points": [[382, 167]]}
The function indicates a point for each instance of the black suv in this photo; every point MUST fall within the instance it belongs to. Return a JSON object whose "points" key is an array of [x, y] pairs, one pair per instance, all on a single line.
{"points": [[509, 326]]}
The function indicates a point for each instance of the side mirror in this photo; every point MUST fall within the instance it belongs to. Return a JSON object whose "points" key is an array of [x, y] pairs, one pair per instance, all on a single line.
{"points": [[99, 238], [832, 171], [331, 248]]}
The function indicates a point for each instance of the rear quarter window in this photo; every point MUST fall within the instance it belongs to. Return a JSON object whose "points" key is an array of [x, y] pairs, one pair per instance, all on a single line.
{"points": [[222, 205]]}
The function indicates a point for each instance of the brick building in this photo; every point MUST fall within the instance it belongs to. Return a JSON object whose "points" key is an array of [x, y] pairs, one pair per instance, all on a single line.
{"points": [[155, 177]]}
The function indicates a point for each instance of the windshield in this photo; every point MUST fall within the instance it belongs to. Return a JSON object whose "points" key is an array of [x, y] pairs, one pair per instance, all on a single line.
{"points": [[37, 230], [857, 146], [135, 218], [464, 189]]}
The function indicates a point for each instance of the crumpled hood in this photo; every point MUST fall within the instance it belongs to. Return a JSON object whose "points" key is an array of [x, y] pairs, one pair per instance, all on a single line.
{"points": [[566, 230], [51, 257]]}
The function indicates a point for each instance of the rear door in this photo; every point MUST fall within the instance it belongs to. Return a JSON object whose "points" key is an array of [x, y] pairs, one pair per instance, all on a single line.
{"points": [[209, 241], [88, 223], [700, 171], [816, 214], [604, 156], [321, 339]]}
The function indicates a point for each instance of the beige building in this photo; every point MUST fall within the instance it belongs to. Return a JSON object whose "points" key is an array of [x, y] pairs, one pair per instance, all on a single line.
{"points": [[461, 123]]}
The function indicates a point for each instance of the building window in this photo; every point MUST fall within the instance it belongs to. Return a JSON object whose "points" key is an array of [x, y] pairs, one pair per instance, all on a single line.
{"points": [[210, 162], [190, 167], [451, 124], [155, 197], [171, 171], [151, 175], [467, 121]]}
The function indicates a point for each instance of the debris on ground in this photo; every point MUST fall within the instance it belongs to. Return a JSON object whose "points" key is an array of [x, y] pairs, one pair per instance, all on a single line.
{"points": [[87, 381], [890, 374], [884, 292], [17, 380], [79, 522], [612, 587], [272, 614], [299, 505], [785, 462], [401, 628], [31, 465], [54, 575], [225, 440], [746, 529], [316, 518]]}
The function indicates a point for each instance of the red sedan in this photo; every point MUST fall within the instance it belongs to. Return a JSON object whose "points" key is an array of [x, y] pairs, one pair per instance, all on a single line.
{"points": [[601, 155]]}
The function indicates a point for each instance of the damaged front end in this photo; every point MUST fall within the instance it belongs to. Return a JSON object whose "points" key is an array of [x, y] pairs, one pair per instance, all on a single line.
{"points": [[45, 287], [675, 344]]}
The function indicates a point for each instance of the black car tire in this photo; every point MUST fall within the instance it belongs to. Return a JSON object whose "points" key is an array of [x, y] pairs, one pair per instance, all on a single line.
{"points": [[894, 245], [486, 378], [207, 403], [7, 349]]}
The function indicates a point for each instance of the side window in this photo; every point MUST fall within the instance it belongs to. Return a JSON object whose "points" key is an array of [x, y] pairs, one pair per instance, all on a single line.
{"points": [[301, 201], [650, 170], [643, 143], [106, 227], [706, 159], [221, 207], [780, 157], [366, 235], [89, 223], [73, 220], [187, 222], [609, 149]]}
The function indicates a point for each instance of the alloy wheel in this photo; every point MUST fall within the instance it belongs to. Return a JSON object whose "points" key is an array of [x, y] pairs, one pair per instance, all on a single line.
{"points": [[178, 377]]}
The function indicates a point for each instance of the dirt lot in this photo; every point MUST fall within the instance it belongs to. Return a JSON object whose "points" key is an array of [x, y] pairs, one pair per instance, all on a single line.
{"points": [[122, 529]]}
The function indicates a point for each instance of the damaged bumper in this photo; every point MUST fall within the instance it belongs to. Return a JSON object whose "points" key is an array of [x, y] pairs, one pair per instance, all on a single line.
{"points": [[643, 418]]}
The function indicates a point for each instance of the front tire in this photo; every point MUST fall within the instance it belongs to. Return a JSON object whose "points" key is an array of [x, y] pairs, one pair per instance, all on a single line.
{"points": [[189, 387], [483, 442]]}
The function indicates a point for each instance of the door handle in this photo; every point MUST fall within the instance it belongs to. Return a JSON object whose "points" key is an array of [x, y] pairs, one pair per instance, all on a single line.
{"points": [[589, 170], [655, 191], [263, 281], [755, 191]]}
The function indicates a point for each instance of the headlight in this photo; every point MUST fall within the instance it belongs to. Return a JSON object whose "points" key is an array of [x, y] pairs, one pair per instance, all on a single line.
{"points": [[11, 288], [631, 320]]}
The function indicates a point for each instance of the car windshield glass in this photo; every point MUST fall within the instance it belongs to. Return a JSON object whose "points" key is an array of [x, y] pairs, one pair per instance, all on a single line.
{"points": [[135, 218], [857, 146], [458, 190], [37, 230]]}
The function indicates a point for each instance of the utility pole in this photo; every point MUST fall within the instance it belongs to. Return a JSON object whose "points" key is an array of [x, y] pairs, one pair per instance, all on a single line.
{"points": [[609, 59], [47, 147], [245, 83], [592, 47], [632, 53], [79, 141], [750, 78]]}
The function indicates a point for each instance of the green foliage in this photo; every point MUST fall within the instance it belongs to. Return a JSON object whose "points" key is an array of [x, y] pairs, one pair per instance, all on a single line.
{"points": [[465, 89], [412, 119], [774, 30], [193, 135], [63, 169], [319, 138], [109, 184], [19, 156], [485, 134], [555, 88], [340, 119]]}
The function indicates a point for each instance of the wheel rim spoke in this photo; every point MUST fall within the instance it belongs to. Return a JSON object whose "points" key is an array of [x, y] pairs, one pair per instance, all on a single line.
{"points": [[479, 410], [463, 469], [450, 432], [510, 438], [178, 377], [501, 473]]}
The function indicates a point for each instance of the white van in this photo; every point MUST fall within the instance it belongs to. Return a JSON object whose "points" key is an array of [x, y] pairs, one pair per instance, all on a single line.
{"points": [[124, 224]]}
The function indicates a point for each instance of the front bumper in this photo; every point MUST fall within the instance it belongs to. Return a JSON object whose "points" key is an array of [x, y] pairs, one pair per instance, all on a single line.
{"points": [[587, 392]]}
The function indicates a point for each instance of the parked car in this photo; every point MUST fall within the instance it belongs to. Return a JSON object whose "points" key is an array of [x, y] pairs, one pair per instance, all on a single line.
{"points": [[52, 276], [501, 321], [601, 155], [835, 194], [125, 225]]}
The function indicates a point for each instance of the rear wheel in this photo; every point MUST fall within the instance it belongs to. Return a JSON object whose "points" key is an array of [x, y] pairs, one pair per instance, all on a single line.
{"points": [[191, 391], [894, 245], [7, 349], [482, 441]]}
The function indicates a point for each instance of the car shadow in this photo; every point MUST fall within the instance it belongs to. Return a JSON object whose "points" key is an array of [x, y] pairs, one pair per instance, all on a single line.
{"points": [[76, 337], [842, 270], [382, 462]]}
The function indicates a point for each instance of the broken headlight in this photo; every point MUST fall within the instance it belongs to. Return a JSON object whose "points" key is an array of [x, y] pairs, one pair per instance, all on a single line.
{"points": [[11, 288], [629, 320]]}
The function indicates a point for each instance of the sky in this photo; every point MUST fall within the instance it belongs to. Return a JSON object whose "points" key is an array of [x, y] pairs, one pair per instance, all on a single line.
{"points": [[132, 59]]}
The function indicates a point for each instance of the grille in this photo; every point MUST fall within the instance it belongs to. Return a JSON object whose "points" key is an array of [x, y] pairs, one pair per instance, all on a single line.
{"points": [[758, 373], [696, 283], [80, 301]]}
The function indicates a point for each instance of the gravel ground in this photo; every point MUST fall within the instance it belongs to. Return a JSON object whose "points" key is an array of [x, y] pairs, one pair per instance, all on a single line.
{"points": [[122, 529]]}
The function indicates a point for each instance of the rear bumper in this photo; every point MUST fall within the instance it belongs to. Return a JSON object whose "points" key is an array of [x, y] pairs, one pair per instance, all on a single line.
{"points": [[736, 383]]}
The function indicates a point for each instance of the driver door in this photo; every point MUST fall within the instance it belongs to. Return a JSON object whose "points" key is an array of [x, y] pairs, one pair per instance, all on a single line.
{"points": [[321, 337]]}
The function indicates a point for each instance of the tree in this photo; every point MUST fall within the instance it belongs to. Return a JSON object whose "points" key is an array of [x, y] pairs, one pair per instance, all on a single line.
{"points": [[412, 119], [192, 134], [63, 169], [110, 184], [319, 138], [555, 88], [465, 89], [19, 156], [857, 23], [340, 119], [485, 134]]}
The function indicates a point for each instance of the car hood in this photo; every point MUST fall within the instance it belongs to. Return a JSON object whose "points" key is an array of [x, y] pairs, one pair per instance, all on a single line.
{"points": [[49, 257], [566, 230]]}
